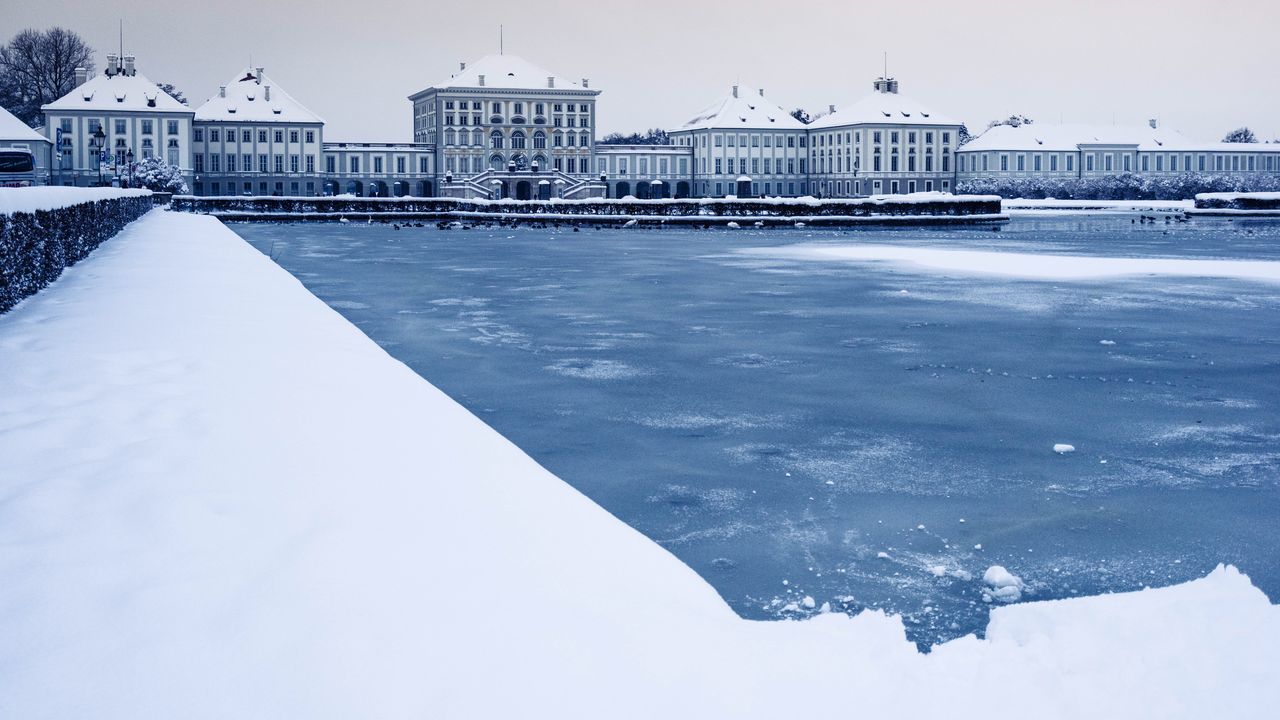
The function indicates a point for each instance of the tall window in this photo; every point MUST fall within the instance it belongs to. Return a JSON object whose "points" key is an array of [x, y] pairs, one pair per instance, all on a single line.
{"points": [[495, 140]]}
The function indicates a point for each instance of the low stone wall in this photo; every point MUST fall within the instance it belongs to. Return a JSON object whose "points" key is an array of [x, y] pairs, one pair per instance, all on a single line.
{"points": [[1260, 203], [36, 246], [934, 207]]}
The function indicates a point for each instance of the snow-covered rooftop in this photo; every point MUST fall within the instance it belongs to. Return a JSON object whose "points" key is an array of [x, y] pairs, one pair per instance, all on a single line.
{"points": [[116, 92], [743, 108], [883, 108], [11, 128], [1069, 138], [251, 96], [1037, 136], [507, 72]]}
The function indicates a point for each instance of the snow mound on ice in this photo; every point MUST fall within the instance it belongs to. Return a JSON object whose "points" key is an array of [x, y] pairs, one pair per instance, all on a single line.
{"points": [[1002, 585]]}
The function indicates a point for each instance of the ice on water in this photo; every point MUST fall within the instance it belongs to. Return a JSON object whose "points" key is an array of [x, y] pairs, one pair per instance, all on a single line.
{"points": [[878, 434]]}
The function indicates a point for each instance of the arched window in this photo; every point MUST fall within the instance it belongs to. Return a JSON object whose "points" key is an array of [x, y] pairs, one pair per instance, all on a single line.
{"points": [[495, 140], [541, 161], [539, 140], [496, 162], [517, 140]]}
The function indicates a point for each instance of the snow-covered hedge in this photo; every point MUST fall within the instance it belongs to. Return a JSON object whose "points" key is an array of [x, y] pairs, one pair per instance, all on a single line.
{"points": [[1238, 201], [932, 204], [1126, 186], [39, 237]]}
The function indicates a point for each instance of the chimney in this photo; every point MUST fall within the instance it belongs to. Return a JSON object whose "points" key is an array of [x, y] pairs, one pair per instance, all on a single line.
{"points": [[551, 81], [222, 91], [481, 81], [1152, 122], [586, 82], [258, 75], [761, 92], [266, 93], [735, 91], [113, 64], [462, 66], [831, 109], [128, 65], [82, 76]]}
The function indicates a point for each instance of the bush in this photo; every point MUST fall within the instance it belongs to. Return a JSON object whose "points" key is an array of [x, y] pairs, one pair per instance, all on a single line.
{"points": [[36, 247], [157, 175], [1126, 186]]}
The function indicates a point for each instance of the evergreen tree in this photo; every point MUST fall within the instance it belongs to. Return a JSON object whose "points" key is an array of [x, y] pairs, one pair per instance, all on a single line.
{"points": [[1012, 121], [652, 136], [172, 92]]}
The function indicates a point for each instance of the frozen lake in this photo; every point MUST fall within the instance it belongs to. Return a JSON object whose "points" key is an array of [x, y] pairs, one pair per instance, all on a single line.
{"points": [[866, 433]]}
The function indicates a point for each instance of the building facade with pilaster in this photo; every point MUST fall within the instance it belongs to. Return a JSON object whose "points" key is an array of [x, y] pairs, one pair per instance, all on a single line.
{"points": [[112, 119]]}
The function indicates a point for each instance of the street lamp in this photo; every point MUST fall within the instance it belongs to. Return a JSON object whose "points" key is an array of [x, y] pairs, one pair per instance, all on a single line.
{"points": [[129, 157], [101, 138]]}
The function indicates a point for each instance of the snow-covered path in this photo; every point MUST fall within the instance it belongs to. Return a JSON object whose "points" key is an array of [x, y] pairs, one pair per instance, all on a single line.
{"points": [[220, 499]]}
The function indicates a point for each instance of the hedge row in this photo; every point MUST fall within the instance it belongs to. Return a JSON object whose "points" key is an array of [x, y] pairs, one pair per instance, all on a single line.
{"points": [[1231, 201], [448, 207], [36, 247], [1126, 186]]}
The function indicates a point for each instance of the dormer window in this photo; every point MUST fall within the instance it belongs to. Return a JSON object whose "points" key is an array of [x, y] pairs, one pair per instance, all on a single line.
{"points": [[886, 113], [275, 111], [231, 110]]}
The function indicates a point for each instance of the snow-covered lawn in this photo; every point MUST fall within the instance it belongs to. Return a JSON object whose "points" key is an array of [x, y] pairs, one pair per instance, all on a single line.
{"points": [[1051, 206], [1033, 266], [219, 499]]}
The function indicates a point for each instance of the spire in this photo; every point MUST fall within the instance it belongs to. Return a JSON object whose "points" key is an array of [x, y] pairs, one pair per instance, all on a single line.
{"points": [[501, 43]]}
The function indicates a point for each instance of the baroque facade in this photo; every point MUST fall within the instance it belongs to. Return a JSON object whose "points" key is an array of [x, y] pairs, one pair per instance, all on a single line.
{"points": [[504, 128]]}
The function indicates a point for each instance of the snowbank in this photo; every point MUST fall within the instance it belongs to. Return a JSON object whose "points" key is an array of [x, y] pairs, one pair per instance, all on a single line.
{"points": [[51, 197], [1031, 266], [219, 499]]}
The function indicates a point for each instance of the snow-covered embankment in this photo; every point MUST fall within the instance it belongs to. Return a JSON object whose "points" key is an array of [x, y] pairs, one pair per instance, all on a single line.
{"points": [[219, 499]]}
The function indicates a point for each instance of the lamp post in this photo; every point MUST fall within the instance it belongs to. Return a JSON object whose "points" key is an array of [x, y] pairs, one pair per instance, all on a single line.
{"points": [[604, 180], [101, 138], [129, 158]]}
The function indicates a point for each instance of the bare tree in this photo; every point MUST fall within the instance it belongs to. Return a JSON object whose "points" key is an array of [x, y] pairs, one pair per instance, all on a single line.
{"points": [[1241, 135], [40, 67]]}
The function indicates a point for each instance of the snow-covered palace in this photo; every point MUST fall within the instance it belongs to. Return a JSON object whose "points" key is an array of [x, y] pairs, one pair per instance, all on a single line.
{"points": [[503, 127]]}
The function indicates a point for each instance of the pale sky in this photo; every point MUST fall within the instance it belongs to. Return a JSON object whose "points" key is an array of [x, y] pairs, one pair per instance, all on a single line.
{"points": [[1201, 67]]}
